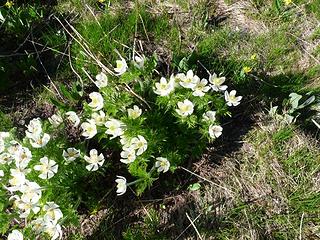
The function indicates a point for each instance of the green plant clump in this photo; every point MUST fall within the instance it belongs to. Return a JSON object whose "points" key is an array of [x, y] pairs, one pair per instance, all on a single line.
{"points": [[150, 125]]}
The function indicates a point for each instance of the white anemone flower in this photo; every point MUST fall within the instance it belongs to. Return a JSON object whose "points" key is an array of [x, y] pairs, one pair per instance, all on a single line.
{"points": [[174, 80], [215, 131], [26, 208], [121, 67], [52, 212], [102, 80], [34, 128], [217, 82], [73, 118], [209, 116], [14, 147], [99, 118], [114, 128], [96, 101], [185, 108], [52, 229], [55, 120], [38, 224], [189, 80], [4, 135], [15, 235], [231, 98], [125, 142], [162, 164], [71, 154], [179, 77], [200, 88], [17, 180], [1, 174], [128, 156], [140, 144], [22, 157], [139, 61], [121, 185], [164, 88], [94, 160], [134, 112], [6, 158], [48, 168], [40, 141], [31, 192], [89, 129]]}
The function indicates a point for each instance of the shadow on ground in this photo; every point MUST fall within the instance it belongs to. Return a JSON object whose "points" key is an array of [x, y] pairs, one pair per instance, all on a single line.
{"points": [[26, 64]]}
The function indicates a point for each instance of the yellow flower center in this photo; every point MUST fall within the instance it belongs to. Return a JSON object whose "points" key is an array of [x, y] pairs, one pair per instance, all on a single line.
{"points": [[112, 128], [188, 80], [119, 64], [44, 168], [140, 144], [163, 164], [232, 98], [185, 108], [217, 81], [163, 86]]}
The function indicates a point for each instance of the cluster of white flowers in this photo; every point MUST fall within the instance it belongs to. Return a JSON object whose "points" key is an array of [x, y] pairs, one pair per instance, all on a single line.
{"points": [[115, 128], [38, 139], [25, 194], [89, 130], [199, 88], [19, 162], [57, 119], [131, 148]]}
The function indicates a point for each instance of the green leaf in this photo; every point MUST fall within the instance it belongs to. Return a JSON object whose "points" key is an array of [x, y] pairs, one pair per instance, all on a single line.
{"points": [[77, 91], [58, 104], [278, 4], [66, 92], [183, 64], [4, 223], [294, 100], [194, 187], [307, 102]]}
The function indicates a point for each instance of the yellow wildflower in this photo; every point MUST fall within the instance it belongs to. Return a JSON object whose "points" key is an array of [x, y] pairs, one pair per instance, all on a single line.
{"points": [[247, 69], [9, 4], [287, 2], [253, 57]]}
